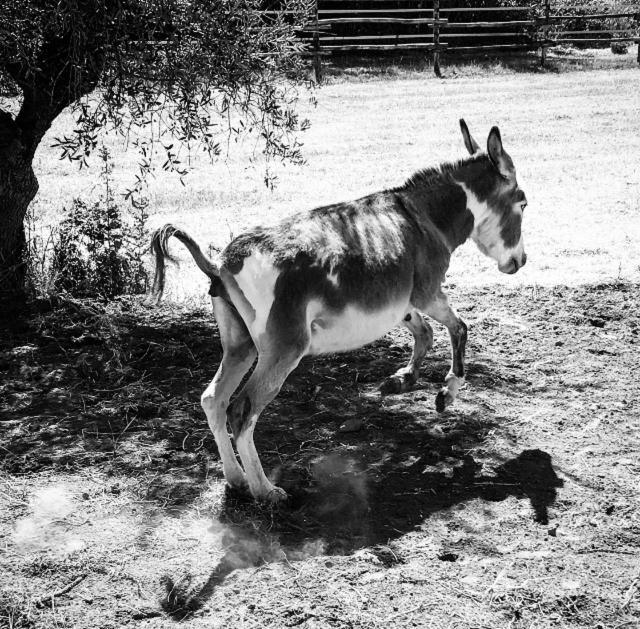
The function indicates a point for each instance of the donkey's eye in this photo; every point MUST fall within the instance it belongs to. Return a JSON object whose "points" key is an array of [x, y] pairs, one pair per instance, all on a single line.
{"points": [[523, 205]]}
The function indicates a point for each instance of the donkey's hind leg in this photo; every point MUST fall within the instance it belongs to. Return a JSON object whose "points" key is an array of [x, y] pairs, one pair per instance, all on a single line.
{"points": [[264, 384], [239, 354], [440, 310], [406, 377]]}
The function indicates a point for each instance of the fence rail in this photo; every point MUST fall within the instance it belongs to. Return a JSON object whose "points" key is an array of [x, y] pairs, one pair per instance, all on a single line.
{"points": [[595, 16], [380, 20], [435, 29]]}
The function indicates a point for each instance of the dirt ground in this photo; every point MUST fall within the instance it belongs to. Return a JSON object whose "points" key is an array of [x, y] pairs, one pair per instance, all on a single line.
{"points": [[518, 507]]}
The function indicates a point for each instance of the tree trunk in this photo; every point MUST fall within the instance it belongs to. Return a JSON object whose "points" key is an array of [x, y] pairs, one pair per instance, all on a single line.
{"points": [[64, 72], [18, 187]]}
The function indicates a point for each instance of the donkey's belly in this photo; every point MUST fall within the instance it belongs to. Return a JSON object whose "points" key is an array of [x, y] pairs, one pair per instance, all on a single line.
{"points": [[352, 327]]}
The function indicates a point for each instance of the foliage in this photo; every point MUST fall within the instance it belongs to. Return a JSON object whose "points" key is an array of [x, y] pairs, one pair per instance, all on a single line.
{"points": [[171, 75], [577, 8], [98, 248]]}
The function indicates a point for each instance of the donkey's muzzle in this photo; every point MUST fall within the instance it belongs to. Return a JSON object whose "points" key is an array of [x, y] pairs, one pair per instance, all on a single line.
{"points": [[514, 265]]}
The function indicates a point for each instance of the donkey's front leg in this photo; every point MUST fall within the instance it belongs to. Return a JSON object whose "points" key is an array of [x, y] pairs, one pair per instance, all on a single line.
{"points": [[406, 377], [440, 310]]}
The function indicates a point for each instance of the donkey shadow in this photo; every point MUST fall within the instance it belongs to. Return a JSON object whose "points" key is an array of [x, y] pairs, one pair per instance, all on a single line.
{"points": [[361, 497]]}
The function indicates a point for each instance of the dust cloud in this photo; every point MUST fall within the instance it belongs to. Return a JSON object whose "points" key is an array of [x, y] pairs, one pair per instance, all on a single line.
{"points": [[46, 527]]}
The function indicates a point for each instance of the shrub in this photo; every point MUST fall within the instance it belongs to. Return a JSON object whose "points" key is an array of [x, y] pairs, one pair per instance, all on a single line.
{"points": [[98, 248], [594, 7], [619, 47]]}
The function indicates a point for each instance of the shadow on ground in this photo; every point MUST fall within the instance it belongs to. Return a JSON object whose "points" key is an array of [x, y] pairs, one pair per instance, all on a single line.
{"points": [[345, 506], [393, 63], [390, 64], [119, 392]]}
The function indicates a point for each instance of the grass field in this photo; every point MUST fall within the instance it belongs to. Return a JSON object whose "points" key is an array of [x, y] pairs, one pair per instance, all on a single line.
{"points": [[574, 138], [516, 508]]}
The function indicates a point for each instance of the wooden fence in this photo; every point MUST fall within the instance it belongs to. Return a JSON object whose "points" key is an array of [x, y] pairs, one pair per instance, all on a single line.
{"points": [[435, 29]]}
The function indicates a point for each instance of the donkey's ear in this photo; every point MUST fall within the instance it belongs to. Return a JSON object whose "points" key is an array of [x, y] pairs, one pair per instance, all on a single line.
{"points": [[497, 154], [472, 146]]}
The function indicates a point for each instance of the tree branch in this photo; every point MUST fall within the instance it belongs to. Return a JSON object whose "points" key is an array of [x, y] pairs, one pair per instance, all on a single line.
{"points": [[57, 82]]}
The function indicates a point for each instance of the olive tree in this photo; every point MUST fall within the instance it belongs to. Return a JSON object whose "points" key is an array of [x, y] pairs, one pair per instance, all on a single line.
{"points": [[163, 73]]}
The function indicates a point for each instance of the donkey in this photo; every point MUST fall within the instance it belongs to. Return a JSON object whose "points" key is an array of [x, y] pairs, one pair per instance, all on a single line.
{"points": [[338, 277]]}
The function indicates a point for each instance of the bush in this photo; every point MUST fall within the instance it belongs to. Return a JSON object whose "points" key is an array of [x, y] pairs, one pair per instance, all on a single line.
{"points": [[98, 248], [619, 47], [594, 7]]}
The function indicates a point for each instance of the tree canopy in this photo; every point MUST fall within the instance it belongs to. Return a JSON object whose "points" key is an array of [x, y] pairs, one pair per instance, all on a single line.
{"points": [[163, 73]]}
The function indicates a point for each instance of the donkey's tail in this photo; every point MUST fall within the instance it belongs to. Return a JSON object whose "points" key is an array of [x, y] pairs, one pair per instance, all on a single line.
{"points": [[159, 242]]}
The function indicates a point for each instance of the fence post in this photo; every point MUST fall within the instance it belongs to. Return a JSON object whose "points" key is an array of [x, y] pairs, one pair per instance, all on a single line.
{"points": [[436, 38], [545, 32], [317, 58], [636, 18]]}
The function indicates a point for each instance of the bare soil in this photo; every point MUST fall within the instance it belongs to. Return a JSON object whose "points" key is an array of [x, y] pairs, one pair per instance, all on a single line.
{"points": [[518, 507]]}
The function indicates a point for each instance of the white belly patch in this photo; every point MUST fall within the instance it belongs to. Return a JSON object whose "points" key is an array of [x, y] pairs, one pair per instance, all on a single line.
{"points": [[352, 327], [329, 330]]}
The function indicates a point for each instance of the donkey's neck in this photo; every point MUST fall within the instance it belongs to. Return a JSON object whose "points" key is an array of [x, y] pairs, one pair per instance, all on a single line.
{"points": [[437, 197]]}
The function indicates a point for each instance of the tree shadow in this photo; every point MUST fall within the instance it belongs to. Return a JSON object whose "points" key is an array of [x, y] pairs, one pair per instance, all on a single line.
{"points": [[392, 63], [118, 392]]}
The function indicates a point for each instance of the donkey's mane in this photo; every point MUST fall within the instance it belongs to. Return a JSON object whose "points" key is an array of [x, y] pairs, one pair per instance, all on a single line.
{"points": [[434, 175]]}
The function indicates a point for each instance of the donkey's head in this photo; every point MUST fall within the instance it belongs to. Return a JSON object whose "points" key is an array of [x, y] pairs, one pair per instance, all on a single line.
{"points": [[495, 200]]}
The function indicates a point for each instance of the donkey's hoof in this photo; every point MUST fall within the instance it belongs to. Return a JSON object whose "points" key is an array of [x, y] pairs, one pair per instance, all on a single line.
{"points": [[443, 399], [276, 495], [271, 494], [238, 487], [393, 384], [237, 480], [397, 383]]}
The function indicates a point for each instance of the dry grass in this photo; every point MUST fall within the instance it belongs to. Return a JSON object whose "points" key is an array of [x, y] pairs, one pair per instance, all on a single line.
{"points": [[574, 138], [516, 508]]}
